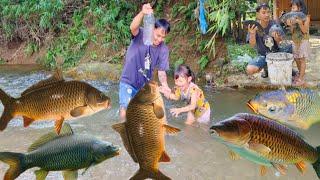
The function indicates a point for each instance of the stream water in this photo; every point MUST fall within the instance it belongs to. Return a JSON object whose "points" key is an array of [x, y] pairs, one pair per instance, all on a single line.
{"points": [[194, 153]]}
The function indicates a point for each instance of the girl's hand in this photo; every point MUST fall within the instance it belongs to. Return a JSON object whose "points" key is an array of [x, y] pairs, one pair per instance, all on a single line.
{"points": [[166, 91], [147, 9], [175, 112]]}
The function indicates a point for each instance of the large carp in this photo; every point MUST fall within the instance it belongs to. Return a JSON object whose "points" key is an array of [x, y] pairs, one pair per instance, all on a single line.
{"points": [[295, 107], [53, 98], [66, 152], [266, 142], [143, 132]]}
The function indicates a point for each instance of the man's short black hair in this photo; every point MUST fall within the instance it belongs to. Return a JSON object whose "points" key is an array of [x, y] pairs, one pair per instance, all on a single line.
{"points": [[262, 6], [162, 23]]}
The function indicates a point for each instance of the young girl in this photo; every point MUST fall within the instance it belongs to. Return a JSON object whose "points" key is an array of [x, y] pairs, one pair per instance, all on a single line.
{"points": [[198, 107], [301, 46]]}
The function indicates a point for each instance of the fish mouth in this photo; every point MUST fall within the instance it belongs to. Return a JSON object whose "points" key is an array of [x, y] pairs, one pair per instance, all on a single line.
{"points": [[252, 107], [117, 151], [214, 132]]}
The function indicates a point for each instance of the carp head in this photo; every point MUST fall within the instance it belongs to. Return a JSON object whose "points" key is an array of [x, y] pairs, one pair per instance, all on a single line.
{"points": [[278, 105], [235, 130]]}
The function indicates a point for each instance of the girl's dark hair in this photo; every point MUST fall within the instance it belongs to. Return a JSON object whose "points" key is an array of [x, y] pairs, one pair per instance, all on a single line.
{"points": [[162, 23], [301, 5], [184, 70]]}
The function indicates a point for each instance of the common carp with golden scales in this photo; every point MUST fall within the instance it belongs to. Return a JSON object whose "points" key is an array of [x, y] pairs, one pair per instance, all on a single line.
{"points": [[53, 98], [266, 142], [143, 132]]}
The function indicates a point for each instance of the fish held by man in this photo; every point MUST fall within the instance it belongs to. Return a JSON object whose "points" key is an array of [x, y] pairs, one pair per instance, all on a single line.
{"points": [[143, 132], [295, 107], [53, 98], [67, 152], [250, 23], [266, 142]]}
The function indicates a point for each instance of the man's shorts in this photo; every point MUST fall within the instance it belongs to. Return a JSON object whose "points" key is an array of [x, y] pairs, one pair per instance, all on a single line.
{"points": [[259, 61], [126, 93]]}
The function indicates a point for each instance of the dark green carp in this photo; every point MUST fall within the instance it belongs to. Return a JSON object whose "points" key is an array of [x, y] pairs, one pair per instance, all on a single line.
{"points": [[53, 98], [295, 107], [293, 16], [266, 142], [260, 30], [66, 152]]}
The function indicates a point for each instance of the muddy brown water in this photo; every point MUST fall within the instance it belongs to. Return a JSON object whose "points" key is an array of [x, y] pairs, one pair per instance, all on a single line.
{"points": [[194, 154]]}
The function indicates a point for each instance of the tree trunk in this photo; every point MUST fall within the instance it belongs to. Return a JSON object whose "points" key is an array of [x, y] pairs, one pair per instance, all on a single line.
{"points": [[275, 9]]}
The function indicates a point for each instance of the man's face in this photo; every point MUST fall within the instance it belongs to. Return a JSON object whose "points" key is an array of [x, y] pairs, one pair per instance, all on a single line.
{"points": [[159, 36], [264, 14]]}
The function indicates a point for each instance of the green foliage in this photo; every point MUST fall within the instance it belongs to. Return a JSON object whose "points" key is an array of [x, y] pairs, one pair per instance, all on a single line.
{"points": [[185, 16], [203, 61], [2, 61], [74, 24], [29, 20], [222, 15], [178, 62], [235, 51], [31, 48]]}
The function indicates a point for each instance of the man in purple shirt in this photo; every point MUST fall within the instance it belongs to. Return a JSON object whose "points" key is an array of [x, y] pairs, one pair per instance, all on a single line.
{"points": [[141, 60]]}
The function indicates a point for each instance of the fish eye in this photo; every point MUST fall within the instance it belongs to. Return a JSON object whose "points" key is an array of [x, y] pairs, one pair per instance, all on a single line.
{"points": [[272, 109]]}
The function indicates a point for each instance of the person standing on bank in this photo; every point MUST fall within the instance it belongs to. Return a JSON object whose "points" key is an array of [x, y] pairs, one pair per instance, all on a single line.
{"points": [[261, 43], [141, 60]]}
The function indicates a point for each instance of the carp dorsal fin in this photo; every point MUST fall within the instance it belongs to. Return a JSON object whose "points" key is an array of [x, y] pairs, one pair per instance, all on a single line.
{"points": [[66, 130], [260, 148], [170, 129], [55, 78], [158, 110], [155, 75]]}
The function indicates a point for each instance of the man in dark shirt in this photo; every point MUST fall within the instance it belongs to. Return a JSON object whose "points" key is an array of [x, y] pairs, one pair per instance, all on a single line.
{"points": [[263, 44], [141, 60]]}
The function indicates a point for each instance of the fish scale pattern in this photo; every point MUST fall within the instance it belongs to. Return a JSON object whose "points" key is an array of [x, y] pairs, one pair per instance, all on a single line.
{"points": [[146, 134], [52, 101], [69, 152], [307, 105], [285, 144]]}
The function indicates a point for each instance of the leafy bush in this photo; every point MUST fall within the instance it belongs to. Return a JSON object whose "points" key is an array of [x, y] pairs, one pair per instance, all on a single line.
{"points": [[238, 54], [203, 61], [73, 24]]}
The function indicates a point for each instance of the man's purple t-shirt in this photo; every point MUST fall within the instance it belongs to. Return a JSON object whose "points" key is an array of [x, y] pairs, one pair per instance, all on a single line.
{"points": [[135, 61]]}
